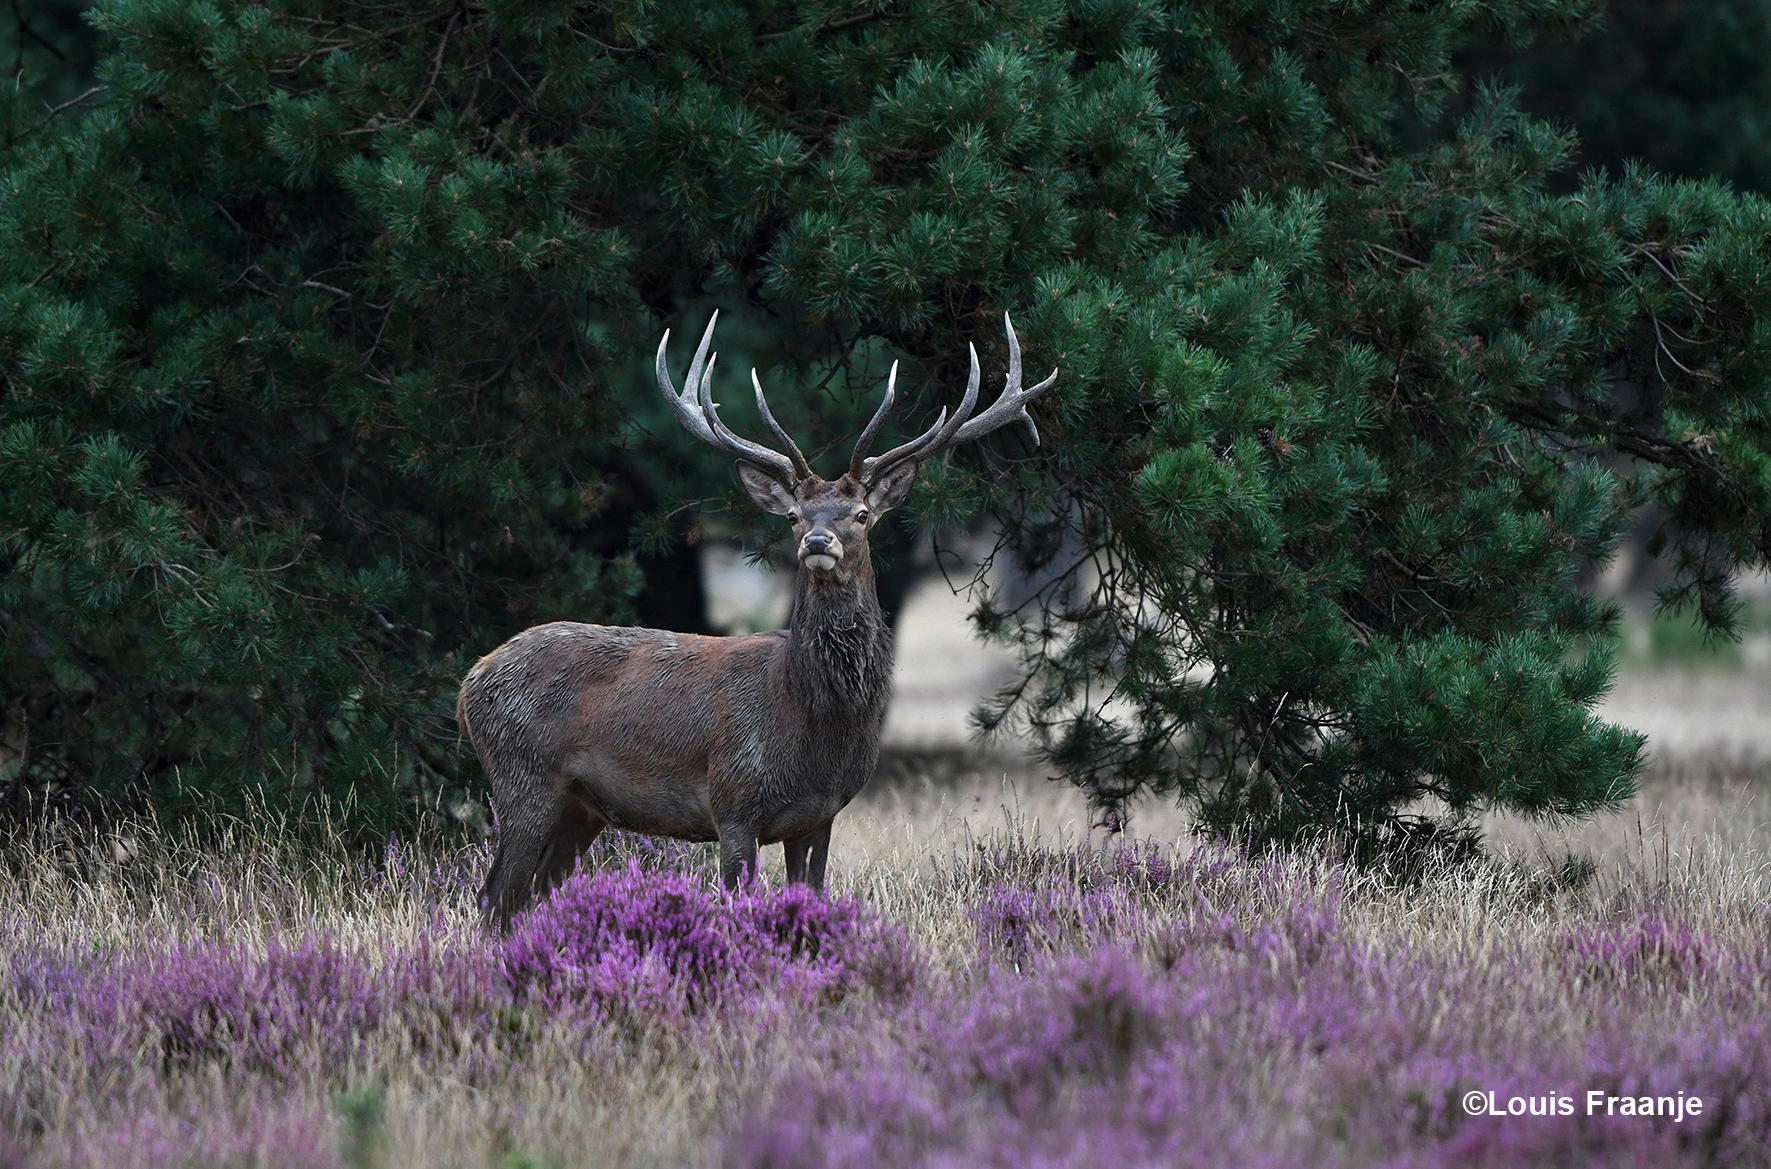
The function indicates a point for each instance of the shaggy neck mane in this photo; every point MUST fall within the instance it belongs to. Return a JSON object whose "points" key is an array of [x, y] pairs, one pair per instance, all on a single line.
{"points": [[839, 647]]}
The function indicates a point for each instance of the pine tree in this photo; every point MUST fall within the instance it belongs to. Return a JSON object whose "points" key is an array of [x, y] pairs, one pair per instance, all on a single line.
{"points": [[327, 341]]}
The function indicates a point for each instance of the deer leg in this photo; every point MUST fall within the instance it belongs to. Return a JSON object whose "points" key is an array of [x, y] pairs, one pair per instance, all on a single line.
{"points": [[523, 836], [818, 841], [796, 851], [737, 855], [579, 826]]}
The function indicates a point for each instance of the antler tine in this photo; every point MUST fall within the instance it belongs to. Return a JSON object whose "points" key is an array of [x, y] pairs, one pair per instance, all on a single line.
{"points": [[1011, 406], [683, 405], [694, 408], [873, 424], [935, 437], [801, 468], [764, 459]]}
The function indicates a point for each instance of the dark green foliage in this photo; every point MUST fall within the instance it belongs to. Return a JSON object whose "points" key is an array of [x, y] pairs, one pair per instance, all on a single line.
{"points": [[48, 52], [1683, 86], [326, 345]]}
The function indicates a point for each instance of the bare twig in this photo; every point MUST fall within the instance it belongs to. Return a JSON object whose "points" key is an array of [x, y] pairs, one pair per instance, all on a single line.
{"points": [[1398, 255], [829, 26], [71, 102], [54, 110], [1661, 347], [436, 69], [1647, 250]]}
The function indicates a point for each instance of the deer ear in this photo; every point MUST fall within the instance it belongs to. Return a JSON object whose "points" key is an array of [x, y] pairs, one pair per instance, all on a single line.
{"points": [[765, 490], [894, 487]]}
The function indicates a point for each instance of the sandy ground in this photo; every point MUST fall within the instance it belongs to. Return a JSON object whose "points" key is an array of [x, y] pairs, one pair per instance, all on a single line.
{"points": [[943, 671], [1725, 711]]}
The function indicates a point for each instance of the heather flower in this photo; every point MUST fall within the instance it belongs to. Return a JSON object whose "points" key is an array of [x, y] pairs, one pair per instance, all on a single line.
{"points": [[1256, 1037], [1085, 1018], [662, 945], [1160, 1010], [44, 979], [1649, 946], [828, 947], [1022, 923], [262, 1133], [1033, 1071], [309, 1004]]}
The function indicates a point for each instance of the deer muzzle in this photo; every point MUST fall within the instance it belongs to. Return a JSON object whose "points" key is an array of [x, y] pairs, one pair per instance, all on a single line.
{"points": [[820, 551]]}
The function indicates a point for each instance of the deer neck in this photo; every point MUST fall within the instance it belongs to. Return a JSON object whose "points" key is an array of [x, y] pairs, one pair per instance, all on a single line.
{"points": [[839, 646]]}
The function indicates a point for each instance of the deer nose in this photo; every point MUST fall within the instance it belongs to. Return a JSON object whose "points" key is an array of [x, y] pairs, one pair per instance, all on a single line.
{"points": [[818, 544]]}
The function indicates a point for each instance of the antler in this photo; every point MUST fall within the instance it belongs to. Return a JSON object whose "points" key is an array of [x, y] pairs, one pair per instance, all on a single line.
{"points": [[1010, 406], [699, 414]]}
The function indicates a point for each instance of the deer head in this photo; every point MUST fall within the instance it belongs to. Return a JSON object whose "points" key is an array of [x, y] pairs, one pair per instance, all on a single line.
{"points": [[831, 518]]}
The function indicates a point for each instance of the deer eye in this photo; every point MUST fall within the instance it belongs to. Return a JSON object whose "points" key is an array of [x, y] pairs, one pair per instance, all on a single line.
{"points": [[861, 516]]}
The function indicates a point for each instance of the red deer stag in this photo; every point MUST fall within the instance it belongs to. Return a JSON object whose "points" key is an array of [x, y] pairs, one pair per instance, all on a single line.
{"points": [[744, 740]]}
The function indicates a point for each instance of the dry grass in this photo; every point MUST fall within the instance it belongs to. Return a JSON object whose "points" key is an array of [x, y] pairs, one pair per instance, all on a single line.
{"points": [[1694, 844]]}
